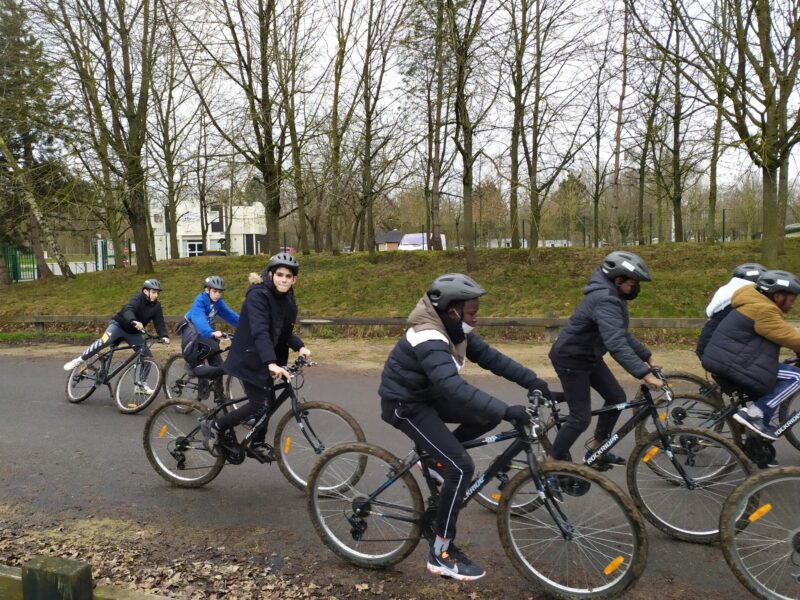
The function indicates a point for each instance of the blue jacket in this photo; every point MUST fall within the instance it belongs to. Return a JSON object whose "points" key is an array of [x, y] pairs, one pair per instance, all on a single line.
{"points": [[264, 334], [203, 312], [600, 325]]}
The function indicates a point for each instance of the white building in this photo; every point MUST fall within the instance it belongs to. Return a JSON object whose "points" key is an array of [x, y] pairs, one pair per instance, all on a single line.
{"points": [[248, 230]]}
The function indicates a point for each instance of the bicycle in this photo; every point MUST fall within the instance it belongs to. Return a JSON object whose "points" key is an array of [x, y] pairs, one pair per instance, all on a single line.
{"points": [[760, 531], [677, 475], [136, 387], [579, 537], [174, 444]]}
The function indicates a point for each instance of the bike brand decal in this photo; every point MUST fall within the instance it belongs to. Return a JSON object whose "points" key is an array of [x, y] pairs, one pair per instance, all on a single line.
{"points": [[491, 439], [611, 441], [475, 486], [788, 424]]}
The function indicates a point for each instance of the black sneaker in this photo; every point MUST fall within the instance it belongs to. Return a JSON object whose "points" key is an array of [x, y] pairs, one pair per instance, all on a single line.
{"points": [[754, 424], [454, 564], [210, 435], [605, 461], [263, 454]]}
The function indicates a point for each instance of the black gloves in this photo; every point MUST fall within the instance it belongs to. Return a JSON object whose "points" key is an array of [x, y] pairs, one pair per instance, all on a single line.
{"points": [[541, 385], [516, 413]]}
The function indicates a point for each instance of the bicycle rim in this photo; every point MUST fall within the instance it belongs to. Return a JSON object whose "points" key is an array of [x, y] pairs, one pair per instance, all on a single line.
{"points": [[607, 550], [692, 410], [82, 380], [299, 444], [376, 534], [714, 464], [138, 386], [174, 446], [760, 531], [179, 383]]}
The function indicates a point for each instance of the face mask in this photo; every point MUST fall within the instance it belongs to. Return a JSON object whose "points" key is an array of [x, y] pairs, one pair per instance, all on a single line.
{"points": [[467, 328], [633, 293]]}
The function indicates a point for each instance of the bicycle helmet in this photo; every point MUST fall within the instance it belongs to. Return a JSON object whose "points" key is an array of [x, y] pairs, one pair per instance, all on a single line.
{"points": [[749, 271], [283, 259], [151, 284], [778, 281], [625, 264], [215, 282], [453, 287]]}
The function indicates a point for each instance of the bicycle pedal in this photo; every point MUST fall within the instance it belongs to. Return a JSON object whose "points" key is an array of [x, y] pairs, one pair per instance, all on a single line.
{"points": [[601, 466]]}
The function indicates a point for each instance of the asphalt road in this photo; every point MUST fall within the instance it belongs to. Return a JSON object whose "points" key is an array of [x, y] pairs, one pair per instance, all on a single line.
{"points": [[70, 460]]}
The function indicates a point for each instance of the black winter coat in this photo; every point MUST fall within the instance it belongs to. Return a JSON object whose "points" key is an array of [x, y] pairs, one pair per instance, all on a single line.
{"points": [[600, 325], [140, 308], [264, 334]]}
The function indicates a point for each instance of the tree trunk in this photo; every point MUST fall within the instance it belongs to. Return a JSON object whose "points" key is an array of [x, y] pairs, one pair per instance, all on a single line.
{"points": [[42, 267], [5, 276], [677, 180], [769, 239], [615, 197]]}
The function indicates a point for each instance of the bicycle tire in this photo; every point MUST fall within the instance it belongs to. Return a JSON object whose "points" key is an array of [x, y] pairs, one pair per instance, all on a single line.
{"points": [[233, 390], [178, 381], [328, 425], [608, 551], [127, 393], [692, 410], [660, 492], [683, 382], [341, 476], [84, 372], [168, 448], [784, 412], [758, 524]]}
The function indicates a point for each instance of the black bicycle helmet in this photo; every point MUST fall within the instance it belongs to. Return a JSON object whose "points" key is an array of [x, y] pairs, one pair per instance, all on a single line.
{"points": [[749, 271], [215, 282], [778, 281], [151, 284], [625, 264], [453, 287], [283, 259]]}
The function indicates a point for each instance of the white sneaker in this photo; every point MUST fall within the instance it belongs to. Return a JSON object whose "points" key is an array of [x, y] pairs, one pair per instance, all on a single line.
{"points": [[143, 388], [73, 363]]}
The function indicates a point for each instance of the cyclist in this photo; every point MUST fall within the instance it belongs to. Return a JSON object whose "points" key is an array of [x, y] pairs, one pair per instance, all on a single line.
{"points": [[127, 324], [421, 390], [198, 338], [745, 347], [720, 305], [598, 326], [260, 349]]}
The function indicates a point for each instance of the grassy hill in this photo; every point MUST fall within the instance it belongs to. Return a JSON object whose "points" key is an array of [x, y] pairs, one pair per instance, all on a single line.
{"points": [[353, 285]]}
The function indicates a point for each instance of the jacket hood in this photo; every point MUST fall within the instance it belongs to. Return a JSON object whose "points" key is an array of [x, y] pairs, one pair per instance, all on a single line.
{"points": [[722, 297], [424, 317], [749, 295], [598, 281]]}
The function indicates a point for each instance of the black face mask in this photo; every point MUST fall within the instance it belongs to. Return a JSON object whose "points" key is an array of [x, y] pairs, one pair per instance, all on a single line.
{"points": [[635, 289], [453, 328]]}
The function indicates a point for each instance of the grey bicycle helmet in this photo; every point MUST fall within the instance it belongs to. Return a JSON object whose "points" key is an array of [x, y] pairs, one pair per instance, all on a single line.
{"points": [[625, 264], [283, 259], [215, 282], [453, 287], [749, 271], [151, 284], [778, 281]]}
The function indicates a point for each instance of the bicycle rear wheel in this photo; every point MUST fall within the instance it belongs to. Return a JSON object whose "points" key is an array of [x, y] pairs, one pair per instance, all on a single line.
{"points": [[682, 383], [138, 386], [174, 445], [83, 380], [179, 382], [760, 532], [693, 410], [604, 548], [714, 465], [373, 534], [300, 439]]}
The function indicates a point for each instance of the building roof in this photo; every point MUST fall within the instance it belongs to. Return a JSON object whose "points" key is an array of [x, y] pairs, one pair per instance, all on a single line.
{"points": [[390, 237]]}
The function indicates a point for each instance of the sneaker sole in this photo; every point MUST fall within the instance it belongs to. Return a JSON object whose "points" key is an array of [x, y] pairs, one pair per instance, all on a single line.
{"points": [[753, 428], [445, 572]]}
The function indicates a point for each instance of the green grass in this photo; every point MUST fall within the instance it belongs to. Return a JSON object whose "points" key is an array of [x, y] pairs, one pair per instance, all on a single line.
{"points": [[685, 276]]}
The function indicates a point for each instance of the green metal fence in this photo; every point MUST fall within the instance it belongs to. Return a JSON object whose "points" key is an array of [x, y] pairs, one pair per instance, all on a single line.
{"points": [[21, 265]]}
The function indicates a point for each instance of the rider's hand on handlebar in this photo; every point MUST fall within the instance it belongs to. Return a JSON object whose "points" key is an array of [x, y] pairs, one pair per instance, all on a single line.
{"points": [[516, 414], [138, 325], [217, 335], [304, 352], [165, 340], [278, 372], [653, 381], [541, 386]]}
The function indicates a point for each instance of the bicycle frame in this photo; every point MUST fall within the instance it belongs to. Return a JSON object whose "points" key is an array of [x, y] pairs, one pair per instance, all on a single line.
{"points": [[107, 356]]}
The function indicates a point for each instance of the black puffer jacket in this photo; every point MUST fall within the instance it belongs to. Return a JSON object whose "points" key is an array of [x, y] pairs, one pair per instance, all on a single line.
{"points": [[422, 367], [600, 325], [140, 308], [264, 334]]}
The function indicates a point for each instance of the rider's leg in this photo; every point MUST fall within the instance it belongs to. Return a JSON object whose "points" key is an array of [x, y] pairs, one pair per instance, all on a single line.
{"points": [[112, 334], [787, 385], [602, 380], [577, 393]]}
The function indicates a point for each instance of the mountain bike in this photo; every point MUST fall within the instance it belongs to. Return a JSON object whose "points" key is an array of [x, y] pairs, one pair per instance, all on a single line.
{"points": [[565, 527], [174, 444], [677, 475], [136, 387], [760, 532]]}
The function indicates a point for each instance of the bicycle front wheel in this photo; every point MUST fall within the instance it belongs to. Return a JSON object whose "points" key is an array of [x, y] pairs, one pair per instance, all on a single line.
{"points": [[179, 382], [374, 534], [760, 532], [174, 445], [692, 410], [591, 544], [685, 508], [138, 386], [301, 438], [83, 380]]}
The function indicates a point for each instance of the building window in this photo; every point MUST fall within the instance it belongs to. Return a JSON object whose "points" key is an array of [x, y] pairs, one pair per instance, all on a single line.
{"points": [[194, 248], [216, 219]]}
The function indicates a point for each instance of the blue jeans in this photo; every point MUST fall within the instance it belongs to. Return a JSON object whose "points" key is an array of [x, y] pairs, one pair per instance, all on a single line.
{"points": [[788, 384]]}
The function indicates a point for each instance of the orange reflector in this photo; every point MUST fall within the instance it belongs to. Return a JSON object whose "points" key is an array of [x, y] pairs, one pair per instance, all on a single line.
{"points": [[131, 405], [613, 565], [662, 417], [496, 496], [162, 431], [650, 454], [760, 512], [287, 444]]}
